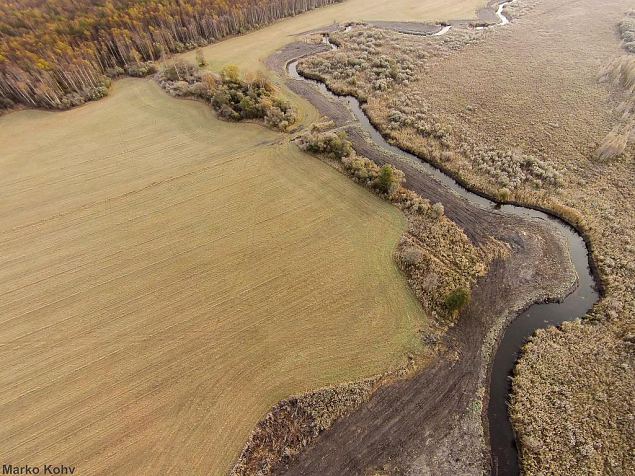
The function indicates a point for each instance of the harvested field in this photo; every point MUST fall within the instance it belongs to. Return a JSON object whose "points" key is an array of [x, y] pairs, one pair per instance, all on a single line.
{"points": [[168, 277]]}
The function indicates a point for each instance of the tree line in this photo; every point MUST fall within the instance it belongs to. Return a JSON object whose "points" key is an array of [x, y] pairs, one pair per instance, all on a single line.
{"points": [[60, 53]]}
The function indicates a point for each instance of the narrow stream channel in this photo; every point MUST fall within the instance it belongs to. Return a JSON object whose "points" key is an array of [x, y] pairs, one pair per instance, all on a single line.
{"points": [[501, 436]]}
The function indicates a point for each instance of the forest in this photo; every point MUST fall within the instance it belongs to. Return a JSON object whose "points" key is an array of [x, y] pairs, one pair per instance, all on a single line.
{"points": [[61, 53]]}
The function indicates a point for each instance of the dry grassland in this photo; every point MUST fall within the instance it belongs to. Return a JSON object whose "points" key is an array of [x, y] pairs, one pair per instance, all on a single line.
{"points": [[167, 277]]}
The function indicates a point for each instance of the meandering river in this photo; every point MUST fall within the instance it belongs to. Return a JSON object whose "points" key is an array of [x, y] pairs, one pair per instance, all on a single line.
{"points": [[540, 315]]}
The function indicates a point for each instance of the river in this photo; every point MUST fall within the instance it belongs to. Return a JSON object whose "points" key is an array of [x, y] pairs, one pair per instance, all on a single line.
{"points": [[504, 454]]}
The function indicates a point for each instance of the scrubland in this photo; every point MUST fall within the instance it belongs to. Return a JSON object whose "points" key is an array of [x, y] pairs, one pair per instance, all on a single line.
{"points": [[537, 112], [168, 277]]}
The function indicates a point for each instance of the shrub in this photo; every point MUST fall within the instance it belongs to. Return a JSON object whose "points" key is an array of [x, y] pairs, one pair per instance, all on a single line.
{"points": [[230, 74], [512, 169], [411, 201], [114, 72], [504, 194], [438, 210], [181, 88], [362, 169], [627, 27], [139, 70], [248, 107], [411, 256], [201, 90], [5, 103], [280, 118], [200, 57], [231, 96], [71, 100], [179, 71], [333, 144], [87, 94], [226, 112], [447, 156], [389, 180], [457, 300]]}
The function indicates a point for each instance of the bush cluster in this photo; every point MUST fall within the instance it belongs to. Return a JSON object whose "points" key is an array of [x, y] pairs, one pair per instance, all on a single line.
{"points": [[426, 124], [512, 169], [386, 180], [406, 113], [90, 93], [614, 143], [6, 103], [136, 70], [627, 31], [232, 96], [457, 299], [438, 210], [410, 201], [362, 169], [140, 70], [332, 144], [373, 60], [180, 71], [411, 255], [363, 63]]}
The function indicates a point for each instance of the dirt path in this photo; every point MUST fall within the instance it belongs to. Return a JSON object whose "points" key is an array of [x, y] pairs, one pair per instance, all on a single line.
{"points": [[432, 422]]}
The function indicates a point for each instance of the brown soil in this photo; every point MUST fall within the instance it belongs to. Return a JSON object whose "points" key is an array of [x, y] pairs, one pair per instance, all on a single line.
{"points": [[294, 422], [431, 422]]}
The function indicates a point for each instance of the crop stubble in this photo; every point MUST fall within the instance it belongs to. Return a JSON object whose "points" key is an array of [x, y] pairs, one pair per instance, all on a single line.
{"points": [[167, 277]]}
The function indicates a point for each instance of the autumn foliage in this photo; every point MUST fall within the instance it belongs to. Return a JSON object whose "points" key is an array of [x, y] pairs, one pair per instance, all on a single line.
{"points": [[60, 53]]}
